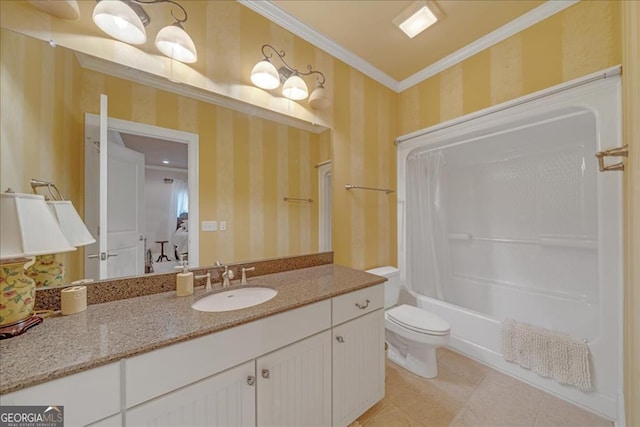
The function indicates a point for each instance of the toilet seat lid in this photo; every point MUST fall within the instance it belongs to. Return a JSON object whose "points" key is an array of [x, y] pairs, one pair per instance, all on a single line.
{"points": [[418, 320]]}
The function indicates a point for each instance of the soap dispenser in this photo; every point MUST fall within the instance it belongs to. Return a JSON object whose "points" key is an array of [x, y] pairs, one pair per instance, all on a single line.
{"points": [[184, 281]]}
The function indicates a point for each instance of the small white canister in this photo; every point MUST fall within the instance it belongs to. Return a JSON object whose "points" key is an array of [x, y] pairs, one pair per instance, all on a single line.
{"points": [[74, 300]]}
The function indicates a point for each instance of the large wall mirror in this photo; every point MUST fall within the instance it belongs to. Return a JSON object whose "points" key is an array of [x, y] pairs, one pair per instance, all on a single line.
{"points": [[262, 186]]}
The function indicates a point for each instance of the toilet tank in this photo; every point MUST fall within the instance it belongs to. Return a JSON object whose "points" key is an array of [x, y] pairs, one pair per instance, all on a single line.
{"points": [[391, 286]]}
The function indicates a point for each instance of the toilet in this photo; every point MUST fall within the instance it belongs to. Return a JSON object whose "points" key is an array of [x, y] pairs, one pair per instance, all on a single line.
{"points": [[413, 334]]}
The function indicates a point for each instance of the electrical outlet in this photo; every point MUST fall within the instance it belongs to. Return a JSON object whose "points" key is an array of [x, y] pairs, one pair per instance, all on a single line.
{"points": [[223, 225], [209, 225]]}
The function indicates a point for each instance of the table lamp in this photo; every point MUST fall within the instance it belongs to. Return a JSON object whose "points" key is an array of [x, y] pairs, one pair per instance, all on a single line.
{"points": [[47, 270], [28, 228]]}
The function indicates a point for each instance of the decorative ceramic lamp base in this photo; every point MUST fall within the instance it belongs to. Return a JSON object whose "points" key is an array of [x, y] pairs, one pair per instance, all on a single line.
{"points": [[18, 328], [46, 271], [17, 295]]}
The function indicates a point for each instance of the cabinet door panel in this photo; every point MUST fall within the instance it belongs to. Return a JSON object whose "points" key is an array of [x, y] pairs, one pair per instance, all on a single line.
{"points": [[226, 399], [294, 384], [358, 366]]}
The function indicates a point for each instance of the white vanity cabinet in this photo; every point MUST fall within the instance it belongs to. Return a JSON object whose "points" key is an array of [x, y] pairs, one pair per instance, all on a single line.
{"points": [[225, 399], [321, 364], [358, 353], [87, 397], [294, 384]]}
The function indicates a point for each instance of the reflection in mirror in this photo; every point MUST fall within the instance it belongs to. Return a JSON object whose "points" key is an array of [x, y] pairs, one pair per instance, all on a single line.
{"points": [[246, 166]]}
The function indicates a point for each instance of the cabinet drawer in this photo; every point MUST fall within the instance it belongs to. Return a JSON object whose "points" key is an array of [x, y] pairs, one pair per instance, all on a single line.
{"points": [[349, 306]]}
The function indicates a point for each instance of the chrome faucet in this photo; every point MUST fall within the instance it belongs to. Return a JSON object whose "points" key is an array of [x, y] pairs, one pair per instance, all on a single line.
{"points": [[243, 280], [207, 287], [227, 275]]}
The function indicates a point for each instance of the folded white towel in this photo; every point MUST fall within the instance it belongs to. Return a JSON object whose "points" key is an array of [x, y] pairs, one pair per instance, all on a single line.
{"points": [[548, 353]]}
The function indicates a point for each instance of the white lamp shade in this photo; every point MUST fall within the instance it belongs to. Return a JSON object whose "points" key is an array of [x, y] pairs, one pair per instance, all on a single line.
{"points": [[265, 76], [64, 9], [319, 99], [28, 227], [174, 42], [74, 229], [117, 19], [295, 88]]}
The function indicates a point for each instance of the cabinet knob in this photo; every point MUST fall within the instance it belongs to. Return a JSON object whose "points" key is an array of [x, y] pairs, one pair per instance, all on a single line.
{"points": [[340, 339], [363, 306], [265, 373], [251, 380]]}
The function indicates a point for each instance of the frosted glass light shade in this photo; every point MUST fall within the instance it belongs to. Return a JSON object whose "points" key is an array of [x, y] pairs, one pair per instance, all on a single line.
{"points": [[74, 229], [295, 88], [28, 227], [319, 99], [265, 76], [117, 19], [174, 42]]}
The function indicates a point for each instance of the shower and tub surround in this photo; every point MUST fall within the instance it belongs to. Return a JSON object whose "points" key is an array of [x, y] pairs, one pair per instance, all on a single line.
{"points": [[504, 214], [314, 323]]}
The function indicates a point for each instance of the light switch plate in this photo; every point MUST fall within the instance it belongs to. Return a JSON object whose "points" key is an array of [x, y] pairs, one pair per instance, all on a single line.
{"points": [[209, 225], [223, 225]]}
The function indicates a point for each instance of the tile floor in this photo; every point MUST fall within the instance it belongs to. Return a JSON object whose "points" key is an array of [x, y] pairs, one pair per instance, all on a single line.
{"points": [[467, 393]]}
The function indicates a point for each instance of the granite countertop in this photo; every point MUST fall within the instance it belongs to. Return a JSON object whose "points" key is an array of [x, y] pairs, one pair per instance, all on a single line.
{"points": [[111, 331]]}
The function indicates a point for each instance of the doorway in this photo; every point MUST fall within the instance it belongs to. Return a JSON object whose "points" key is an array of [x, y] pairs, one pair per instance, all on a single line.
{"points": [[126, 207]]}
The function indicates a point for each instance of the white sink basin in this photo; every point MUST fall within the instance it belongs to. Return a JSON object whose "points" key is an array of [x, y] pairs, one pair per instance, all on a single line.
{"points": [[235, 299]]}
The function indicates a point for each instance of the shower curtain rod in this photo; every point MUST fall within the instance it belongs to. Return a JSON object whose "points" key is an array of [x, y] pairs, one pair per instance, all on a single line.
{"points": [[600, 75]]}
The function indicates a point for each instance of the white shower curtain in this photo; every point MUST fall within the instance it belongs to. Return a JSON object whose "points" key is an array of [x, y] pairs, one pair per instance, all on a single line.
{"points": [[179, 203], [428, 263]]}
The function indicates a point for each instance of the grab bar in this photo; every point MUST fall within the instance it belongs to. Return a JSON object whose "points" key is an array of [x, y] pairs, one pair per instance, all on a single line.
{"points": [[357, 187], [612, 152]]}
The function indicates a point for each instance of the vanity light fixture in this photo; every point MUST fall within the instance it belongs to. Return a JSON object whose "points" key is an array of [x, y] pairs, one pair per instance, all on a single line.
{"points": [[27, 229], [266, 76], [125, 20], [418, 17]]}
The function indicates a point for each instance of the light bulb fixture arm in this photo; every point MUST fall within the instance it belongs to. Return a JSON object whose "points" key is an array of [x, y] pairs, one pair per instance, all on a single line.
{"points": [[281, 54], [178, 21], [38, 183]]}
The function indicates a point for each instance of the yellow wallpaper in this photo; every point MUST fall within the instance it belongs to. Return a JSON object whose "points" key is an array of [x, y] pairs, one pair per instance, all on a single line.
{"points": [[582, 39], [247, 165], [40, 123], [241, 160]]}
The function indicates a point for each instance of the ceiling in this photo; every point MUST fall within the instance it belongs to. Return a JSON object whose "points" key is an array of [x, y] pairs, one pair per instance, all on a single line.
{"points": [[157, 150], [365, 28]]}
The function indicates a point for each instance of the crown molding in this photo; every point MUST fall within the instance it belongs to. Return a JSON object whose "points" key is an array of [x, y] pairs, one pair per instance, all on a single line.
{"points": [[521, 23], [124, 72], [289, 22], [305, 32]]}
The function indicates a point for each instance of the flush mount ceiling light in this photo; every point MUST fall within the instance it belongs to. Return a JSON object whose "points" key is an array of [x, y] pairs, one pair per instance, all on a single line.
{"points": [[266, 76], [125, 20], [418, 17]]}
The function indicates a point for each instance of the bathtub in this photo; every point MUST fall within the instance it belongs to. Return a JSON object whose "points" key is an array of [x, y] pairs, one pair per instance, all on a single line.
{"points": [[532, 230]]}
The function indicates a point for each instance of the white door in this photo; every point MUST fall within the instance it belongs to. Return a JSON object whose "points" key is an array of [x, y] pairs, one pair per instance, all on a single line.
{"points": [[358, 367], [294, 384], [125, 212], [226, 399], [114, 203]]}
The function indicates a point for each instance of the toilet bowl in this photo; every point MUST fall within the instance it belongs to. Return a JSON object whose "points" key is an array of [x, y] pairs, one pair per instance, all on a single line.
{"points": [[413, 334]]}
